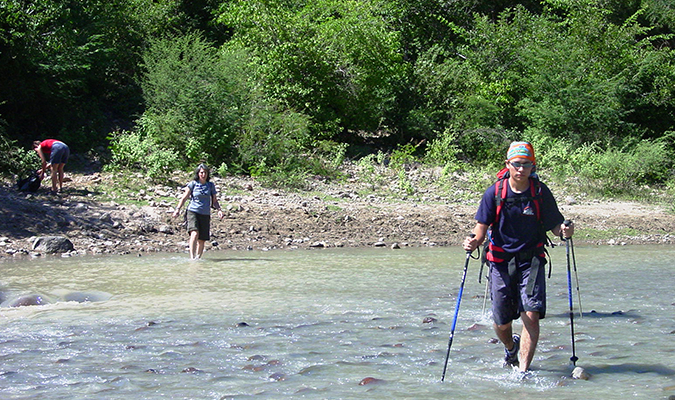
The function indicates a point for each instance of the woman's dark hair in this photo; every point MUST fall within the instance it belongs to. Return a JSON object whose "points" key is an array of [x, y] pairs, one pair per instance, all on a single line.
{"points": [[205, 168]]}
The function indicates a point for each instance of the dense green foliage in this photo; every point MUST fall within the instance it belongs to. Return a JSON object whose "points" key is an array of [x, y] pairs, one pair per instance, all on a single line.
{"points": [[286, 89]]}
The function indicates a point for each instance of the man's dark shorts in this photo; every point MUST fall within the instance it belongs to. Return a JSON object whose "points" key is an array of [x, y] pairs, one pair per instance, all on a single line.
{"points": [[509, 293], [200, 223], [60, 153]]}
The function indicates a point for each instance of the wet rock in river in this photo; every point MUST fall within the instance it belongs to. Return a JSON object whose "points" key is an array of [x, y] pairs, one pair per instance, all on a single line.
{"points": [[277, 376], [580, 373], [83, 297], [476, 327], [370, 381], [28, 300]]}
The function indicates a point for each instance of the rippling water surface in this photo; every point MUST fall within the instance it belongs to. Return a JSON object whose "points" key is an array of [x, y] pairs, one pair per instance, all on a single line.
{"points": [[315, 324]]}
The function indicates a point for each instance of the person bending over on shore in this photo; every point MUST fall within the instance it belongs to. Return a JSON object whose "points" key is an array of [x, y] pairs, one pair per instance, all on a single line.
{"points": [[203, 196], [519, 209], [54, 154]]}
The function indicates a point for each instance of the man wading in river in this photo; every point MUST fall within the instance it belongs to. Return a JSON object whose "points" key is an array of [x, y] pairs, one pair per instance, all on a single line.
{"points": [[519, 210]]}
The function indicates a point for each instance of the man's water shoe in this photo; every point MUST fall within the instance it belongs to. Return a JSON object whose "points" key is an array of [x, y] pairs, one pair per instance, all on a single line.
{"points": [[511, 356]]}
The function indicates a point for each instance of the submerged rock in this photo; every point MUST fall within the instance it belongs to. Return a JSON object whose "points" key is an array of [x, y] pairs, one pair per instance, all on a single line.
{"points": [[369, 381], [476, 327], [277, 376], [84, 297], [28, 300]]}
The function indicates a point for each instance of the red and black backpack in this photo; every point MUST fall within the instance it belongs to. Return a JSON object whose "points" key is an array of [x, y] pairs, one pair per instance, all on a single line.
{"points": [[497, 254]]}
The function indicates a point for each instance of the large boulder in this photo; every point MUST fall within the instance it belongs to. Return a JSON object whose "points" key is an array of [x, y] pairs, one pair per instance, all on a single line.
{"points": [[53, 244]]}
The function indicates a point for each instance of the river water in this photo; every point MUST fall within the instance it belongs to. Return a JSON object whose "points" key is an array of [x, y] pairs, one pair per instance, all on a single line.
{"points": [[315, 323]]}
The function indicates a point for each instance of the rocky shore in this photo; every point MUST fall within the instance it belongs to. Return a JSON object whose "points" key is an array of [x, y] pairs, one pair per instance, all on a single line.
{"points": [[130, 221]]}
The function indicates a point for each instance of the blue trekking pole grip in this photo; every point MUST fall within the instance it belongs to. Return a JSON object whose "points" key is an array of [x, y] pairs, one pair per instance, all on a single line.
{"points": [[459, 300]]}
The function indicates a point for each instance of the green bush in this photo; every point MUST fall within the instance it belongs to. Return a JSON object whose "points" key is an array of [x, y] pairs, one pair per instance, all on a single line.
{"points": [[623, 171], [444, 150], [208, 105], [327, 157], [16, 161], [486, 146], [193, 96], [559, 157], [278, 138], [131, 150], [402, 155], [279, 176]]}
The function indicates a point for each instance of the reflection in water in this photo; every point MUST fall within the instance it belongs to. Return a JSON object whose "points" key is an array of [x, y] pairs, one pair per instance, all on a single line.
{"points": [[331, 323]]}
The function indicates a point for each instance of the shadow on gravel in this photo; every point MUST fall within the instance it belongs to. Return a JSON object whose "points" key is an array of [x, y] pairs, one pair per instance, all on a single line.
{"points": [[23, 215]]}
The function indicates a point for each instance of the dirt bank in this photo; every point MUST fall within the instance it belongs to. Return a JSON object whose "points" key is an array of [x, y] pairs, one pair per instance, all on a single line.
{"points": [[100, 221]]}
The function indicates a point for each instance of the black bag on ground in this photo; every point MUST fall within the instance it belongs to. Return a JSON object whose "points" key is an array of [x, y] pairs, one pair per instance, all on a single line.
{"points": [[29, 184]]}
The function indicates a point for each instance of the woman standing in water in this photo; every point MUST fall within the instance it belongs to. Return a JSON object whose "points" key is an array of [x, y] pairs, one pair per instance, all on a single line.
{"points": [[203, 196]]}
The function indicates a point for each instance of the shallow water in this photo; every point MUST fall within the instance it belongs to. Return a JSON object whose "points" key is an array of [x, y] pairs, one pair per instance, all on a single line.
{"points": [[319, 322]]}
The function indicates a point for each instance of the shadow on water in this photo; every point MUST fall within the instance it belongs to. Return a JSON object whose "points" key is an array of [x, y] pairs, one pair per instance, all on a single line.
{"points": [[615, 314], [630, 314], [659, 369], [223, 260]]}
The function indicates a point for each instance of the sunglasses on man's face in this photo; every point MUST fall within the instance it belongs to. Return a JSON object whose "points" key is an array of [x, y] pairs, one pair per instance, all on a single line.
{"points": [[517, 165]]}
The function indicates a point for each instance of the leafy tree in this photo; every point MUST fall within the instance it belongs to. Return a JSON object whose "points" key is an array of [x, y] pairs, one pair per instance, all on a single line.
{"points": [[192, 103], [567, 73], [206, 105], [335, 61], [63, 66], [68, 69]]}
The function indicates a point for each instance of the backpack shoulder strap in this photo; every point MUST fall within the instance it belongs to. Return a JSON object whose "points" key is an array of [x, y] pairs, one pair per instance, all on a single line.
{"points": [[535, 192], [501, 190]]}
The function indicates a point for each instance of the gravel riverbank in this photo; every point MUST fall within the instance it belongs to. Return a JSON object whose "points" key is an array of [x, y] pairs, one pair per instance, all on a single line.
{"points": [[330, 215]]}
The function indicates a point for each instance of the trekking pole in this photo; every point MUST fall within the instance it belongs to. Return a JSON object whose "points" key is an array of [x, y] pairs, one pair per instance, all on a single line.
{"points": [[576, 277], [454, 321], [574, 357], [487, 284]]}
